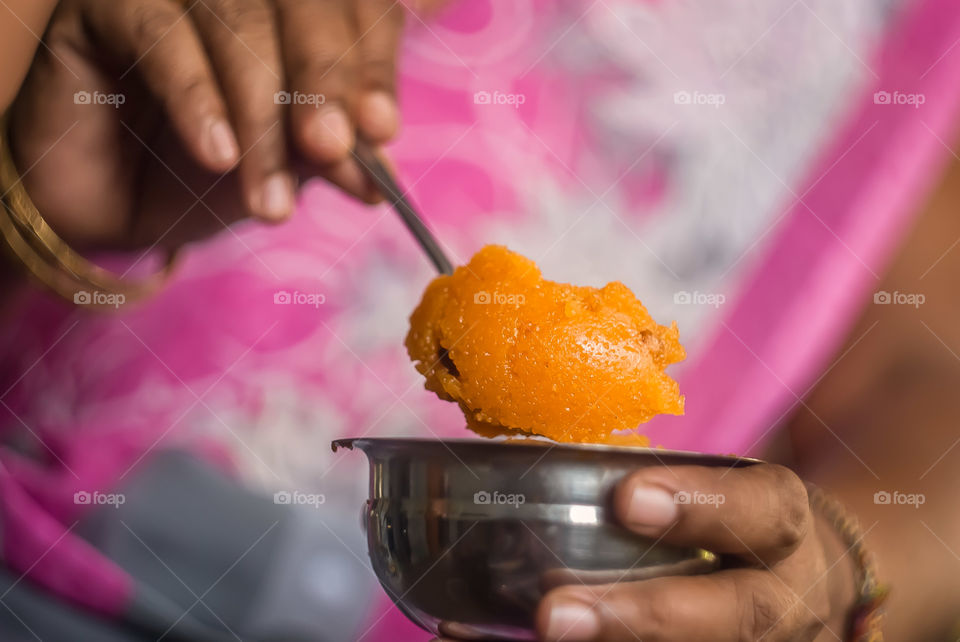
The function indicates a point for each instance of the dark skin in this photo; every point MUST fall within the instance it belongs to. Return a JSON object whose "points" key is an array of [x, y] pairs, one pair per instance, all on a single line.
{"points": [[190, 133], [892, 398], [122, 177]]}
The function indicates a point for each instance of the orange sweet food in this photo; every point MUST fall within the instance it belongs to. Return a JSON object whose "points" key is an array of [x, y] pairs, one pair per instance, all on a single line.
{"points": [[522, 355]]}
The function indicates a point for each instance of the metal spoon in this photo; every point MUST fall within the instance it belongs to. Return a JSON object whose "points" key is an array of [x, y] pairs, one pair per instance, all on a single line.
{"points": [[387, 184]]}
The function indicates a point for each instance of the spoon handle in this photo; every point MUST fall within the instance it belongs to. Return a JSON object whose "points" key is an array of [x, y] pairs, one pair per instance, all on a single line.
{"points": [[387, 184]]}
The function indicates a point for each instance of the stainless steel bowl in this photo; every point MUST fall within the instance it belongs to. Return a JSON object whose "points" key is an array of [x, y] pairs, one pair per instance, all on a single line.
{"points": [[467, 535]]}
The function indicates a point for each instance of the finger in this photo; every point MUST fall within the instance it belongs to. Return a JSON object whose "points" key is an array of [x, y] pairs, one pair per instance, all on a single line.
{"points": [[450, 631], [319, 56], [734, 605], [163, 47], [346, 175], [242, 39], [379, 24], [760, 512]]}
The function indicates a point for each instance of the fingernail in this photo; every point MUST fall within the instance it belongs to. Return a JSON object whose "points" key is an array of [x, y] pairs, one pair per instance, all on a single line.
{"points": [[651, 506], [332, 132], [276, 197], [223, 145], [378, 115], [570, 620]]}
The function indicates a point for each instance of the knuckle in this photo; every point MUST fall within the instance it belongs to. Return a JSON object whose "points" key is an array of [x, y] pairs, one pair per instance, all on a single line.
{"points": [[384, 10], [386, 13], [379, 70], [256, 88], [151, 23], [792, 509], [316, 64], [660, 612], [241, 15], [256, 120], [192, 89], [195, 98], [254, 101], [761, 611], [61, 33], [263, 127], [797, 623]]}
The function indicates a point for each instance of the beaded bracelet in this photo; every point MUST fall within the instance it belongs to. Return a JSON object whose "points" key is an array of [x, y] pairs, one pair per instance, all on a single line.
{"points": [[866, 616]]}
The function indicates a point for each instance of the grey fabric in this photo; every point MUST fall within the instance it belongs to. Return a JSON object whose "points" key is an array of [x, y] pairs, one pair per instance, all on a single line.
{"points": [[215, 562], [31, 614]]}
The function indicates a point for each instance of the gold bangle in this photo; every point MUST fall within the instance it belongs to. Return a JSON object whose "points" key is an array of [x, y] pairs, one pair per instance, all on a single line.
{"points": [[865, 619], [49, 258]]}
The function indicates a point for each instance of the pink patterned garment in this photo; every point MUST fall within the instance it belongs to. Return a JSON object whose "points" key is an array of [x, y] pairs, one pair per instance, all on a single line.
{"points": [[748, 180]]}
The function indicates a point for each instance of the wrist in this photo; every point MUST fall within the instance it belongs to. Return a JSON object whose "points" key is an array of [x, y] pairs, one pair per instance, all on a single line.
{"points": [[48, 258]]}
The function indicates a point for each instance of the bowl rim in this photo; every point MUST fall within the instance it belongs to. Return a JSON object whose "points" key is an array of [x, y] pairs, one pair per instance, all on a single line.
{"points": [[698, 457]]}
